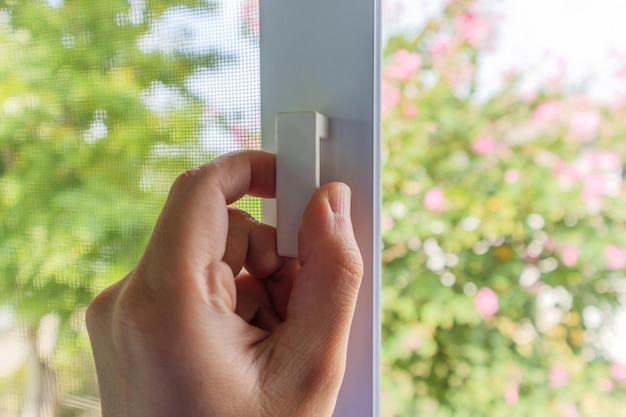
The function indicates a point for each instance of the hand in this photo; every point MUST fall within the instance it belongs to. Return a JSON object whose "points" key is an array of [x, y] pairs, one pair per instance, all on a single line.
{"points": [[212, 322]]}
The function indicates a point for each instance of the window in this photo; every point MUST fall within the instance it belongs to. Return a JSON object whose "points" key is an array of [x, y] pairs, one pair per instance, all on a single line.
{"points": [[103, 103]]}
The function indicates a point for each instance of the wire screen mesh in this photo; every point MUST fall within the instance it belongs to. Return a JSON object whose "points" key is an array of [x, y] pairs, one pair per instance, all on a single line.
{"points": [[102, 105]]}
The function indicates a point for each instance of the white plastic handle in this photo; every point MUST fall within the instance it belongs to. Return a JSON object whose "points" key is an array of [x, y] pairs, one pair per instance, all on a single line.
{"points": [[298, 137]]}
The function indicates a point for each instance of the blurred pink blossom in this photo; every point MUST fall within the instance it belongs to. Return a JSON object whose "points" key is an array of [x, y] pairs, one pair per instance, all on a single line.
{"points": [[411, 111], [618, 371], [547, 112], [474, 29], [511, 394], [615, 257], [386, 222], [568, 171], [512, 175], [605, 161], [485, 145], [570, 410], [244, 137], [391, 96], [584, 124], [596, 187], [412, 342], [461, 74], [569, 255], [250, 16], [486, 302], [440, 46], [558, 376], [599, 172], [404, 67], [546, 158], [606, 385], [435, 199]]}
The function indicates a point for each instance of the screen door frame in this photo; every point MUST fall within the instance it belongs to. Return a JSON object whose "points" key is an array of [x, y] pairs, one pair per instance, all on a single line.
{"points": [[324, 56]]}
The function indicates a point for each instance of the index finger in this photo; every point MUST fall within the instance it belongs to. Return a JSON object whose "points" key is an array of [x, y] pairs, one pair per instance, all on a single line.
{"points": [[193, 226]]}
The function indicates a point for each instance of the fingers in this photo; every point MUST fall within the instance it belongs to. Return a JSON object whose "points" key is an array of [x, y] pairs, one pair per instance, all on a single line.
{"points": [[325, 291], [254, 303], [253, 245], [192, 229]]}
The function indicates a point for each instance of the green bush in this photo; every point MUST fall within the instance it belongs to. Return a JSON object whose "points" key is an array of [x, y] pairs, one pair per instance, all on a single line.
{"points": [[504, 235]]}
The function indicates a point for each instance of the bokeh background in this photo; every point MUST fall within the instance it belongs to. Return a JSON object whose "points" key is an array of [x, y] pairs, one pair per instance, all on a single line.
{"points": [[503, 210], [503, 223]]}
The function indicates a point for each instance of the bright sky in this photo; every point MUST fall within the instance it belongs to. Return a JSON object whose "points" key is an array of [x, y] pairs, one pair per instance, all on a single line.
{"points": [[535, 34]]}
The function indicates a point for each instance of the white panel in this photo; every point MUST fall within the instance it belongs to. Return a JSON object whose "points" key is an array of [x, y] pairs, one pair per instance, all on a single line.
{"points": [[323, 55]]}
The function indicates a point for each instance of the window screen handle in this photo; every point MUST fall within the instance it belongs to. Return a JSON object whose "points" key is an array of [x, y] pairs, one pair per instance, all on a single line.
{"points": [[298, 136]]}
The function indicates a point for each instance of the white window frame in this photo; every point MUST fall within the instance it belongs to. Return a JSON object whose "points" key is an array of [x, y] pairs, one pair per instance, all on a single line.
{"points": [[324, 56]]}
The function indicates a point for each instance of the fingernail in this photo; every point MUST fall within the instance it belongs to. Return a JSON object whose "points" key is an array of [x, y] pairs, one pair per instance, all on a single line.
{"points": [[339, 199]]}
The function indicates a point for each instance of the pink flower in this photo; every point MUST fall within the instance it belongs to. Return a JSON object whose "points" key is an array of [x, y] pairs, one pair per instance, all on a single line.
{"points": [[618, 371], [485, 145], [615, 257], [461, 75], [569, 255], [606, 385], [486, 302], [512, 176], [605, 161], [243, 137], [546, 158], [568, 172], [547, 112], [412, 342], [571, 410], [386, 222], [473, 29], [584, 124], [250, 16], [391, 96], [511, 394], [435, 199], [440, 49], [411, 111], [558, 376], [440, 46], [405, 66], [596, 186], [599, 172]]}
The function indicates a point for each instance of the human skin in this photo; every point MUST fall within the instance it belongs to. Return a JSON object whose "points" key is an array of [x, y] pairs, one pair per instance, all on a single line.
{"points": [[212, 322]]}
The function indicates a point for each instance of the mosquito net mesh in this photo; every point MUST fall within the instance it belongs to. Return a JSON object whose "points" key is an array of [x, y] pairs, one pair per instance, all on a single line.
{"points": [[102, 105]]}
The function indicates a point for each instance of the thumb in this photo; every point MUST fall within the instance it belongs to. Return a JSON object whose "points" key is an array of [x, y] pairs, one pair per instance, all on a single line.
{"points": [[325, 290]]}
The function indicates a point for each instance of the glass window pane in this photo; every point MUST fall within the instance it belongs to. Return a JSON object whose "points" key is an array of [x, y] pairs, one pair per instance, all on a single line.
{"points": [[504, 245]]}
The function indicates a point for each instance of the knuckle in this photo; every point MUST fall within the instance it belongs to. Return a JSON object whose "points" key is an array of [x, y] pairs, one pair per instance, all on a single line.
{"points": [[102, 308], [186, 179], [350, 265], [99, 308], [237, 214]]}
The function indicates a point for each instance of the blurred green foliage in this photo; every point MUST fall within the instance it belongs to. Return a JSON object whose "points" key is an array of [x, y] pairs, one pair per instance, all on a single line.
{"points": [[504, 235], [85, 165], [73, 206]]}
